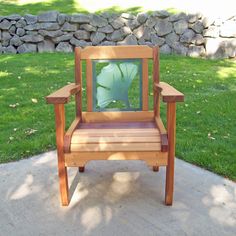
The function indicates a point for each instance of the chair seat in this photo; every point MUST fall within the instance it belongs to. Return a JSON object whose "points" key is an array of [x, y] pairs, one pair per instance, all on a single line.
{"points": [[116, 136]]}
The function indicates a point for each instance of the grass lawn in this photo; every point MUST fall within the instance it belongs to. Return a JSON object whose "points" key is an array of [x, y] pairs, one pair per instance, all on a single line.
{"points": [[23, 7], [205, 122]]}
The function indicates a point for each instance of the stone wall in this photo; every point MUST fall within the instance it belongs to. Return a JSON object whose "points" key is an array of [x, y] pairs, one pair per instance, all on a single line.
{"points": [[192, 35]]}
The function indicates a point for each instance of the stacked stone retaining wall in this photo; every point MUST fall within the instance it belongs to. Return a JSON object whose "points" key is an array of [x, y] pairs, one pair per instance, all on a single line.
{"points": [[193, 35]]}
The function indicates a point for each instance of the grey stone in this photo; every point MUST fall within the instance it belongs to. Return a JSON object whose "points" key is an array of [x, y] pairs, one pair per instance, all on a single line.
{"points": [[16, 41], [151, 21], [5, 38], [21, 23], [32, 32], [106, 15], [82, 34], [198, 39], [1, 49], [142, 17], [50, 16], [88, 27], [108, 43], [1, 18], [13, 17], [128, 16], [129, 40], [165, 49], [62, 18], [51, 34], [157, 41], [197, 27], [10, 49], [113, 17], [97, 37], [12, 30], [5, 24], [119, 35], [117, 23], [46, 46], [176, 17], [106, 29], [220, 48], [180, 26], [63, 38], [64, 47], [228, 29], [68, 27], [32, 27], [79, 18], [187, 36], [20, 32], [143, 32], [171, 38], [212, 32], [6, 35], [46, 26], [163, 27], [32, 38], [0, 35], [145, 43], [98, 21], [31, 19], [26, 48], [132, 24], [80, 43], [207, 21], [179, 48], [196, 51], [192, 18], [161, 14]]}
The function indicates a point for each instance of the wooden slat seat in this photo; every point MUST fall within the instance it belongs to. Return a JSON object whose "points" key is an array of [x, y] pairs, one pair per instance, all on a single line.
{"points": [[117, 136]]}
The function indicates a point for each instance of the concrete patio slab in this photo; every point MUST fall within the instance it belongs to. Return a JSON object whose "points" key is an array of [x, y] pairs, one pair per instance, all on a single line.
{"points": [[113, 198]]}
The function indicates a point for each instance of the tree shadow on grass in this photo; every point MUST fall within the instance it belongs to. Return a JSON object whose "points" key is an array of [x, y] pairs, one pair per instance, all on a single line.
{"points": [[11, 7], [69, 6]]}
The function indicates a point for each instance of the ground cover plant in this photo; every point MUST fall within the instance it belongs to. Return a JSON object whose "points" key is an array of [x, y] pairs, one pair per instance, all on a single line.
{"points": [[205, 121]]}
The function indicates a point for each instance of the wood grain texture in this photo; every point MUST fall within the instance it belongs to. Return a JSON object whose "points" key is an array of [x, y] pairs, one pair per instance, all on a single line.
{"points": [[145, 84], [117, 116], [163, 134], [116, 52], [78, 80], [62, 95], [118, 125], [171, 129], [156, 79], [169, 93], [62, 170], [89, 85], [151, 158], [69, 133]]}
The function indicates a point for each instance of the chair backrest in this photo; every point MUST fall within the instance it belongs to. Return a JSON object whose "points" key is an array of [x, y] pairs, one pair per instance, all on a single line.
{"points": [[116, 76]]}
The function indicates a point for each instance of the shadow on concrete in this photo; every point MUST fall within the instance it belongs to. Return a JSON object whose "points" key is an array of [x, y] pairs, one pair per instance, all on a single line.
{"points": [[114, 197]]}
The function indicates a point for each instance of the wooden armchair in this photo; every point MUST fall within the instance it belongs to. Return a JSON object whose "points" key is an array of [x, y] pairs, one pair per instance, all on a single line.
{"points": [[115, 75]]}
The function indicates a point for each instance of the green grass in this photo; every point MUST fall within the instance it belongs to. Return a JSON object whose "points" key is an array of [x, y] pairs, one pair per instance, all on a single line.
{"points": [[8, 7], [205, 122]]}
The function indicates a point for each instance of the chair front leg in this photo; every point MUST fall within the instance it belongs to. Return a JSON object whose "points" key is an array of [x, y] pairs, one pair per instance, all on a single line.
{"points": [[171, 130], [62, 169]]}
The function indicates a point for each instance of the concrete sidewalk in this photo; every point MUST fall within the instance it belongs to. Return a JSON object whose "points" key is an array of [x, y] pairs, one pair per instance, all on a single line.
{"points": [[113, 198]]}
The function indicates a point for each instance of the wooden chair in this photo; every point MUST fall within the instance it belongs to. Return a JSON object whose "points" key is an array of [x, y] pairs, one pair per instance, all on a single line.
{"points": [[105, 133]]}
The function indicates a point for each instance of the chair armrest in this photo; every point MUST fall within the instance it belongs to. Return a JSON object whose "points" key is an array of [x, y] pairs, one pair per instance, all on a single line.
{"points": [[62, 95], [169, 93]]}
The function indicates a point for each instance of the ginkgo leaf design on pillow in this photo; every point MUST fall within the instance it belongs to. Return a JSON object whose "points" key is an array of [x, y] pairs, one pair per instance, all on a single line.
{"points": [[114, 82]]}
